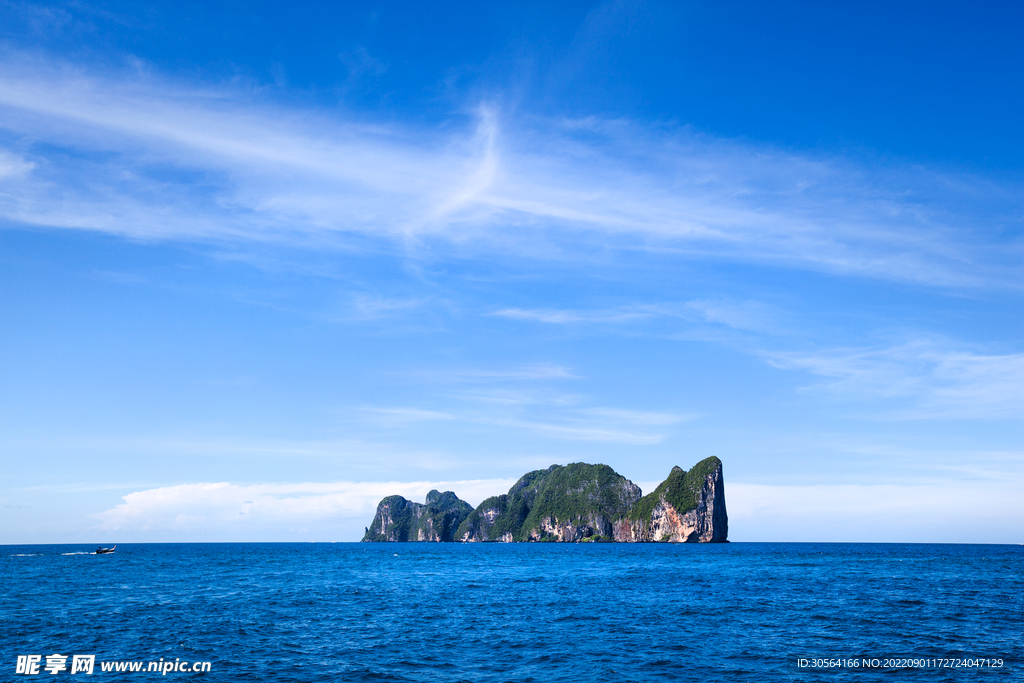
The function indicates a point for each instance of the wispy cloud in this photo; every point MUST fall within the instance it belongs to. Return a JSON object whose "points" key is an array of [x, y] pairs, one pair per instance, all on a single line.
{"points": [[405, 415], [524, 373], [601, 423], [638, 417], [549, 418], [353, 452], [13, 165], [517, 397], [739, 315], [372, 306], [574, 430], [148, 159], [933, 380], [569, 316], [520, 399]]}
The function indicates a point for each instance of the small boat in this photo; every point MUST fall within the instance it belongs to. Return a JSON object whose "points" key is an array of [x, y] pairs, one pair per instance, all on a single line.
{"points": [[105, 551]]}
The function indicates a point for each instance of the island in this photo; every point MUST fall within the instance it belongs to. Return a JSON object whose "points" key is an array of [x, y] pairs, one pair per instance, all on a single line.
{"points": [[575, 503]]}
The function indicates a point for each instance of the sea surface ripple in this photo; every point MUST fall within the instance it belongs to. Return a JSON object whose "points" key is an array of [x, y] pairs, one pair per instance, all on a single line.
{"points": [[517, 612]]}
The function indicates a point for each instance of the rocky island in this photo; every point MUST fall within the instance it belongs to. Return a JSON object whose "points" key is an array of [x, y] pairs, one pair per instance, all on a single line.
{"points": [[572, 503], [398, 519]]}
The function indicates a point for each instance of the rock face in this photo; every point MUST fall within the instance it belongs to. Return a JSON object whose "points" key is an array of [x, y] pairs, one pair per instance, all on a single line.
{"points": [[688, 507], [398, 519], [571, 503], [574, 503]]}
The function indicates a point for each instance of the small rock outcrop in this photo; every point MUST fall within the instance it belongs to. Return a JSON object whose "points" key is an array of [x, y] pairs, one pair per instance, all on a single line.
{"points": [[572, 503], [398, 519]]}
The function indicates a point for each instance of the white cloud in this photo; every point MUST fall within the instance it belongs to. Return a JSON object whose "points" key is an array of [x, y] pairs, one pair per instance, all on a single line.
{"points": [[968, 512], [230, 508], [833, 513], [542, 187], [12, 165], [932, 380]]}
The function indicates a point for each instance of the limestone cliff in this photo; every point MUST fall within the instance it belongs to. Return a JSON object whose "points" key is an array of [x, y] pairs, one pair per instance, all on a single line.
{"points": [[577, 502], [688, 507], [398, 519], [571, 503]]}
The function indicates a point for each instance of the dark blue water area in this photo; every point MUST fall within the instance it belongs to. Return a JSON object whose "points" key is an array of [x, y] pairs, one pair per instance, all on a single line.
{"points": [[517, 612]]}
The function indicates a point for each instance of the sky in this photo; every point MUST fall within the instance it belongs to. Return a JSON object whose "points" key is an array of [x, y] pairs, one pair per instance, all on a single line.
{"points": [[263, 264]]}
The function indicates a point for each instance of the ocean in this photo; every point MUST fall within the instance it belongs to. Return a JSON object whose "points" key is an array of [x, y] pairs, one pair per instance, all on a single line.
{"points": [[515, 612]]}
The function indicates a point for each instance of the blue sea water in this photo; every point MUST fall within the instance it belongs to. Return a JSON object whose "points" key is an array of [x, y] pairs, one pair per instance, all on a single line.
{"points": [[518, 612]]}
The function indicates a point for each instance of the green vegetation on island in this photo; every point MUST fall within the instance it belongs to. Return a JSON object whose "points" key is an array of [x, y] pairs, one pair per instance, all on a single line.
{"points": [[578, 502], [582, 498], [398, 519], [681, 489]]}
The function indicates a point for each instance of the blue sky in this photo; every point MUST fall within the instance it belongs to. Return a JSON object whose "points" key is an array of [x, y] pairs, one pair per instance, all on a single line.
{"points": [[262, 265]]}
